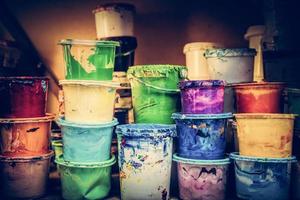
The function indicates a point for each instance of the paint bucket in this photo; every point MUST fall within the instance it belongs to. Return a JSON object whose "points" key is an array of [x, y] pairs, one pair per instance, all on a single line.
{"points": [[25, 136], [94, 141], [85, 181], [155, 95], [262, 178], [89, 102], [114, 19], [18, 94], [89, 59], [202, 179], [231, 65], [265, 135], [202, 97], [24, 177], [201, 136], [293, 102], [195, 60], [57, 146], [261, 97], [145, 159]]}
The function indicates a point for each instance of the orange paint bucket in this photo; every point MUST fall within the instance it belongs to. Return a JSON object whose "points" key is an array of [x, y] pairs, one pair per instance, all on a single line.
{"points": [[25, 136], [260, 97]]}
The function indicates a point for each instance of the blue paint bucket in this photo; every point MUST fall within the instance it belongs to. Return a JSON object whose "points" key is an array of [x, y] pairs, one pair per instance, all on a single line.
{"points": [[201, 136], [262, 178], [145, 160], [86, 143]]}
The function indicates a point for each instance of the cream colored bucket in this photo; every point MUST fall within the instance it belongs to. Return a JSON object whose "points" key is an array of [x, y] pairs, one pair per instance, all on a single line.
{"points": [[89, 102], [265, 135]]}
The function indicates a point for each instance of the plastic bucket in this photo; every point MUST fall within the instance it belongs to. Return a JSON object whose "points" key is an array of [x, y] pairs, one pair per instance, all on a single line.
{"points": [[202, 179], [231, 65], [57, 146], [89, 59], [85, 181], [202, 97], [145, 159], [25, 136], [262, 178], [265, 135], [24, 177], [201, 136], [195, 60], [86, 143], [293, 102], [89, 102], [18, 94], [259, 97], [155, 95], [114, 19]]}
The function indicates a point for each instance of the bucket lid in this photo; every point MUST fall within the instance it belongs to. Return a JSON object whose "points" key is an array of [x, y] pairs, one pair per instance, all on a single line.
{"points": [[62, 122], [236, 156], [49, 117], [258, 84], [26, 158], [90, 83], [254, 30], [201, 84], [89, 42], [201, 116], [264, 116], [146, 130], [193, 46], [159, 70], [179, 159], [114, 6], [237, 52], [60, 160]]}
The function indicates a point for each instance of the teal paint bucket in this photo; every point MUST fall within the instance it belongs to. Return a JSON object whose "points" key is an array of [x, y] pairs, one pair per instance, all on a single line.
{"points": [[293, 102], [85, 181], [86, 143]]}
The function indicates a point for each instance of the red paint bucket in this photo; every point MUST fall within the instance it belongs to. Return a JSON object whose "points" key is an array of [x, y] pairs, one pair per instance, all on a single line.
{"points": [[23, 96], [264, 97]]}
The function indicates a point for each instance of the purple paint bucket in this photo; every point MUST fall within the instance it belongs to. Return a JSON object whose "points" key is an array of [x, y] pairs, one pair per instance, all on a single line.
{"points": [[202, 97]]}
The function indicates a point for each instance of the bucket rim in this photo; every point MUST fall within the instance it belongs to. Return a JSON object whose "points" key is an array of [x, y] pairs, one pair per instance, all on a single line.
{"points": [[258, 84], [47, 118], [62, 122], [177, 158], [292, 90], [146, 130], [254, 30], [113, 6], [236, 156], [192, 46], [112, 84], [104, 43], [229, 52], [201, 83], [26, 158], [264, 116], [202, 116], [25, 78], [60, 161], [58, 143]]}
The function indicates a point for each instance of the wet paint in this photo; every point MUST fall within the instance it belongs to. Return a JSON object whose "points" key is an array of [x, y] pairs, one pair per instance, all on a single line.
{"points": [[85, 181], [57, 146], [89, 102], [155, 95], [261, 97], [25, 136], [89, 59], [24, 177], [201, 136], [262, 178], [145, 159], [202, 179], [202, 97], [86, 143], [18, 94], [231, 65], [293, 102], [265, 135]]}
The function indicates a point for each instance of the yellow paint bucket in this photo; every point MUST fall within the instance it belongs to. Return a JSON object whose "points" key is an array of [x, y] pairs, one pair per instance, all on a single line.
{"points": [[89, 102], [265, 135]]}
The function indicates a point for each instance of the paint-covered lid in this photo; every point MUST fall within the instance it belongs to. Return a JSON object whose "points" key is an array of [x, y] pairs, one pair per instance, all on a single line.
{"points": [[179, 159], [201, 83], [90, 83], [162, 70], [202, 116], [60, 161], [115, 6], [49, 117], [89, 42], [194, 46], [261, 84], [236, 156], [62, 122], [146, 130], [26, 158], [264, 116], [237, 52]]}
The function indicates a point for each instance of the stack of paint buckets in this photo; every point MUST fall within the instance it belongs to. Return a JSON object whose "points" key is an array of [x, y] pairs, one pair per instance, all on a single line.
{"points": [[25, 137], [87, 127]]}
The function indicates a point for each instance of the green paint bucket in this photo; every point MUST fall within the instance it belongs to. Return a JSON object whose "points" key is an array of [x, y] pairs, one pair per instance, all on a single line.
{"points": [[89, 59], [85, 181], [155, 94], [57, 146]]}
